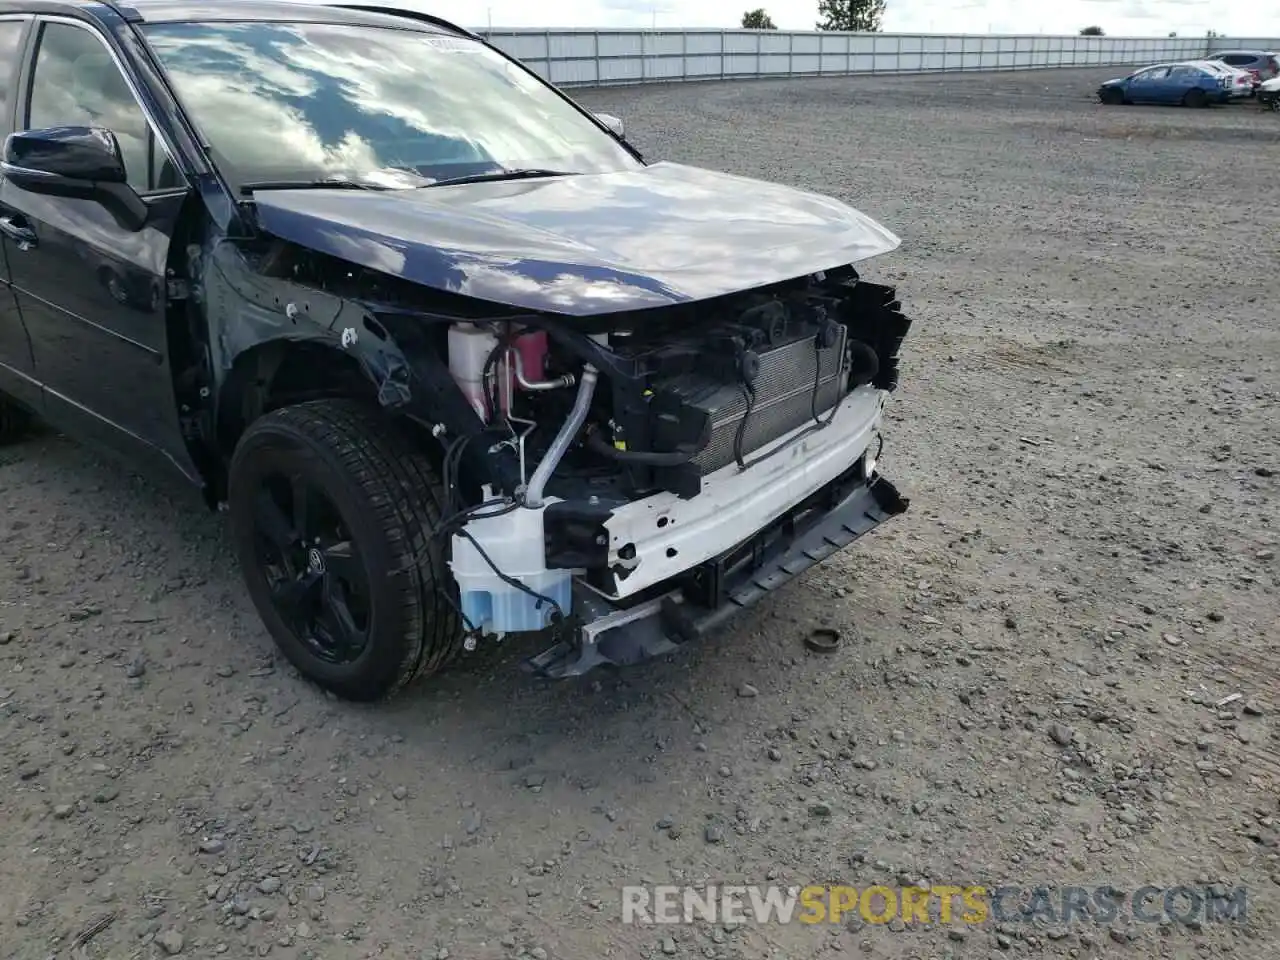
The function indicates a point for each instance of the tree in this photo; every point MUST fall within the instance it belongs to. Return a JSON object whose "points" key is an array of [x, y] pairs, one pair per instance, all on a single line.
{"points": [[1173, 33], [858, 16], [1093, 32], [757, 19]]}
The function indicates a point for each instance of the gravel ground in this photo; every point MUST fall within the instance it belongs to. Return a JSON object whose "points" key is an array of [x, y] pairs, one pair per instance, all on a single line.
{"points": [[1034, 660]]}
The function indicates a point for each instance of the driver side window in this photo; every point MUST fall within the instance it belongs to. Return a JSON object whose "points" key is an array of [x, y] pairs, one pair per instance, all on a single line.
{"points": [[77, 83]]}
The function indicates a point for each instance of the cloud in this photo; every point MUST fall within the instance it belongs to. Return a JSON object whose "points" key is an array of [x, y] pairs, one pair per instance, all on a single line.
{"points": [[1118, 17]]}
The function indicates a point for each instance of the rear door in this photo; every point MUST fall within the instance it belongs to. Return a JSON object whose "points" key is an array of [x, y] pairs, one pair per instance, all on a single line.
{"points": [[93, 294], [17, 367], [1169, 85], [1181, 80]]}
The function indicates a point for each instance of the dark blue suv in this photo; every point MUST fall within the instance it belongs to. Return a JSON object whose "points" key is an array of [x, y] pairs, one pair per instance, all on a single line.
{"points": [[456, 360]]}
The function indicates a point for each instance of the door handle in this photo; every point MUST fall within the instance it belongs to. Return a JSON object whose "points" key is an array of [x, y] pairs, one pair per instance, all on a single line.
{"points": [[24, 237]]}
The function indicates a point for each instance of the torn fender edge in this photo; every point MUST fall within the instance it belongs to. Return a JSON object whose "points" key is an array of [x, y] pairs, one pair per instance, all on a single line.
{"points": [[245, 310]]}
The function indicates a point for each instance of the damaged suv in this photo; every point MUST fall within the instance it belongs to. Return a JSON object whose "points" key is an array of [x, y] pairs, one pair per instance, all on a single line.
{"points": [[457, 361]]}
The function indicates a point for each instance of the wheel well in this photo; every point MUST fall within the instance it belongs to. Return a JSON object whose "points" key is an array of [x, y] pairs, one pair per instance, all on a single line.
{"points": [[279, 374]]}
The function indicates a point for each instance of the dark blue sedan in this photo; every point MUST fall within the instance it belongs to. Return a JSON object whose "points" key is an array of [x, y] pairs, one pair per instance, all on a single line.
{"points": [[1184, 83]]}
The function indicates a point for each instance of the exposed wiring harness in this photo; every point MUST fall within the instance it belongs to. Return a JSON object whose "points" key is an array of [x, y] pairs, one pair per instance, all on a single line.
{"points": [[740, 436], [819, 421], [557, 616], [817, 388]]}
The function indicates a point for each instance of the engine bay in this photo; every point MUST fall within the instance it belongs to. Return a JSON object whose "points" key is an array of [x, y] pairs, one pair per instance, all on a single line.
{"points": [[554, 426], [682, 392], [649, 405]]}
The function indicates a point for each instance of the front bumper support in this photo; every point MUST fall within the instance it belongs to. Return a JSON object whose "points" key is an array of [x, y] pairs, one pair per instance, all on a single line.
{"points": [[716, 591]]}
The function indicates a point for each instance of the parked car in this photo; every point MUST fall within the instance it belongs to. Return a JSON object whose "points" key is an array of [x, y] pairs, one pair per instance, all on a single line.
{"points": [[1269, 94], [1261, 64], [1186, 83], [455, 358], [1242, 86]]}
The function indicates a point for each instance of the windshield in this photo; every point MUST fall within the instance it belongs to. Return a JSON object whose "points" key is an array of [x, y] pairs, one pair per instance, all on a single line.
{"points": [[390, 107]]}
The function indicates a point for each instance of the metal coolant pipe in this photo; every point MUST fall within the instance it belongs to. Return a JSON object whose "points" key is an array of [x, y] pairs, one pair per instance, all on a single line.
{"points": [[525, 384], [547, 465]]}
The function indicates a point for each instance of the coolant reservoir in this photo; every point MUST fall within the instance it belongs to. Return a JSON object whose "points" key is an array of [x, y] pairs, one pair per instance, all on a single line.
{"points": [[513, 541], [469, 350]]}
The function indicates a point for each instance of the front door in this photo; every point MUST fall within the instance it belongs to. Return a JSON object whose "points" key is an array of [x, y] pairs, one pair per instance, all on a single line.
{"points": [[93, 294], [1148, 86], [17, 367]]}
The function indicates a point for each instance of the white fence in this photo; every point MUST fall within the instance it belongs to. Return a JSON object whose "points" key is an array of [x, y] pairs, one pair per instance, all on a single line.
{"points": [[1246, 43], [603, 57]]}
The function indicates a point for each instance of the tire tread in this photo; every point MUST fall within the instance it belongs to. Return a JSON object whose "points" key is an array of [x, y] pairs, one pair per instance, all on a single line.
{"points": [[400, 485]]}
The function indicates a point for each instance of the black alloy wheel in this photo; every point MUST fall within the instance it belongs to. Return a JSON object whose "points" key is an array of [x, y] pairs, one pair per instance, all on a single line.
{"points": [[316, 577], [332, 511]]}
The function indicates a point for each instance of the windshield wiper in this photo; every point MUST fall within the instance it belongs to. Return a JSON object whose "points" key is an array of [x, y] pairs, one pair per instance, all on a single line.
{"points": [[523, 173], [255, 185]]}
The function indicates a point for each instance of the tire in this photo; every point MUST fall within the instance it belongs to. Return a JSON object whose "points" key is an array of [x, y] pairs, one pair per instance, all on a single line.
{"points": [[375, 579], [1195, 98], [15, 421]]}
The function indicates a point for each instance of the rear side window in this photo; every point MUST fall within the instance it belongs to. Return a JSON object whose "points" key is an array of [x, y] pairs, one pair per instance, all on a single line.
{"points": [[10, 37], [1238, 59]]}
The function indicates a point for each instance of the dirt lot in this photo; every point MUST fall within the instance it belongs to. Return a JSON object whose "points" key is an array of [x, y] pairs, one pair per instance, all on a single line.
{"points": [[1034, 660]]}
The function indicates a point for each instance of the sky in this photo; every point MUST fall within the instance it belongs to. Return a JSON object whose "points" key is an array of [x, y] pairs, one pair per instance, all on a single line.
{"points": [[1141, 18]]}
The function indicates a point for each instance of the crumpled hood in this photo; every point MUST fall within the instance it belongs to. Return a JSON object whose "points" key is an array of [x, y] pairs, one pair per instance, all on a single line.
{"points": [[586, 244]]}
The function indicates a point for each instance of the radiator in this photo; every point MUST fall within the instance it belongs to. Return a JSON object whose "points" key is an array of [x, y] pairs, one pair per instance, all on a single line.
{"points": [[783, 399]]}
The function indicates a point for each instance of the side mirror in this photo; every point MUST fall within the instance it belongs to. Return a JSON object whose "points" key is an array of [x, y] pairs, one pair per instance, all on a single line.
{"points": [[83, 163], [614, 124]]}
